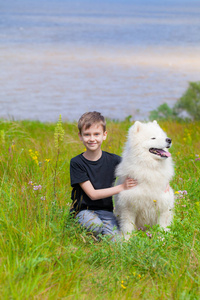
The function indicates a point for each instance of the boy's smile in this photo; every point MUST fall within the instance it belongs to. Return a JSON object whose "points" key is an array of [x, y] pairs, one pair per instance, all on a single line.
{"points": [[93, 137]]}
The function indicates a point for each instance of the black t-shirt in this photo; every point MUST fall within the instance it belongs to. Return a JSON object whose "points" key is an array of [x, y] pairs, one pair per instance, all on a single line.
{"points": [[100, 173]]}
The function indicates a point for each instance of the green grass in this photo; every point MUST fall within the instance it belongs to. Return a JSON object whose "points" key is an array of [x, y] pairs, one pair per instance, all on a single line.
{"points": [[44, 254]]}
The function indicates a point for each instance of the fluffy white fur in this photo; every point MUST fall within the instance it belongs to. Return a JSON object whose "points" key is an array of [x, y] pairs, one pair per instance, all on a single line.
{"points": [[147, 203]]}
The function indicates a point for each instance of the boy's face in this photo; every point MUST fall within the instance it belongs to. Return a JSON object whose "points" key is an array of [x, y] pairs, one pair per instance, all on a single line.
{"points": [[93, 137]]}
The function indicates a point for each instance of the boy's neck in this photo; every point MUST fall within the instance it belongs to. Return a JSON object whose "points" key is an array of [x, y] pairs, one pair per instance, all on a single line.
{"points": [[92, 155]]}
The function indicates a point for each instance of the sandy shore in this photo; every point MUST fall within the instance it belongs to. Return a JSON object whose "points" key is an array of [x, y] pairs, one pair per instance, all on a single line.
{"points": [[40, 83], [177, 57]]}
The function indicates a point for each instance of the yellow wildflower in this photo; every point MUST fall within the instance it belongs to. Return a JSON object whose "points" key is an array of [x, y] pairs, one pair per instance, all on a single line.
{"points": [[122, 285], [34, 156], [155, 201], [2, 135], [58, 133]]}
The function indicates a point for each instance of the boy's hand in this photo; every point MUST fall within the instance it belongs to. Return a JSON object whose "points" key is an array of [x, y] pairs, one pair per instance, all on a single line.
{"points": [[129, 183]]}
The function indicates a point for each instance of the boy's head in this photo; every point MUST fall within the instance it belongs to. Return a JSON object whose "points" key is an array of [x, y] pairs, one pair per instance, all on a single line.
{"points": [[90, 118]]}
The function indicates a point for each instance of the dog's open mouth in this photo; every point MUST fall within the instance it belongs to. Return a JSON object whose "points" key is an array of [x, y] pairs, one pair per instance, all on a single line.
{"points": [[160, 152]]}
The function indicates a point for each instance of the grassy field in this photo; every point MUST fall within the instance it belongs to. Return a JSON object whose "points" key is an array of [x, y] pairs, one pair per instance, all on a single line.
{"points": [[44, 254]]}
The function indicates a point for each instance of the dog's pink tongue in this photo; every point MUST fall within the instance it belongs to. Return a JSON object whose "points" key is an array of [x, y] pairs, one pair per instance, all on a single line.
{"points": [[168, 154]]}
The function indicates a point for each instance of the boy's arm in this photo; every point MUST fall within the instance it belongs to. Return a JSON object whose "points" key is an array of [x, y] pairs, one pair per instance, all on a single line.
{"points": [[108, 192]]}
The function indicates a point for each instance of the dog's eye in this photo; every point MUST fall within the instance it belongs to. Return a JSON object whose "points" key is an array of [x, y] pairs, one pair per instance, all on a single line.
{"points": [[153, 138]]}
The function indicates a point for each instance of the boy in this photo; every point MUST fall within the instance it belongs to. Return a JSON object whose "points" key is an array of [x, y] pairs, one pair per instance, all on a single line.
{"points": [[92, 176]]}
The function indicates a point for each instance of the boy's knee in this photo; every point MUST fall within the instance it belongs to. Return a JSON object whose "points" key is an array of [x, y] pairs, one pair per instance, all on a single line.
{"points": [[110, 225], [110, 229], [90, 221]]}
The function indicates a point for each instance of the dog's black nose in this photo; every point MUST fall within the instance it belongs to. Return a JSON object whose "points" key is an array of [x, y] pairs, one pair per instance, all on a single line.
{"points": [[168, 140]]}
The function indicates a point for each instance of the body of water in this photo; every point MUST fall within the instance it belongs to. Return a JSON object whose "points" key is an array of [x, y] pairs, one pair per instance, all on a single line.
{"points": [[120, 57]]}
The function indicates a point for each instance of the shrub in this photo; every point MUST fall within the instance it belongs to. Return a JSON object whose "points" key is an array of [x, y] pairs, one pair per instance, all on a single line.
{"points": [[163, 112], [190, 101]]}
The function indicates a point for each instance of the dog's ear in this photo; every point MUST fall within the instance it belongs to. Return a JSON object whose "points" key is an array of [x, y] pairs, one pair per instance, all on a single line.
{"points": [[155, 122], [136, 127]]}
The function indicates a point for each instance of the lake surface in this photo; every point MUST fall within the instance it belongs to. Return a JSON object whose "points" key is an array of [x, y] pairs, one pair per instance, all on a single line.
{"points": [[119, 57]]}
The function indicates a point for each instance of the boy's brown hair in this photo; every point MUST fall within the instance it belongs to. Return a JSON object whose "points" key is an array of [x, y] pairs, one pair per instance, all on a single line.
{"points": [[90, 118]]}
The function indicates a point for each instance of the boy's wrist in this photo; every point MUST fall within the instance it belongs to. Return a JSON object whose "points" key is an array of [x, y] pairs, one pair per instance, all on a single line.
{"points": [[121, 187]]}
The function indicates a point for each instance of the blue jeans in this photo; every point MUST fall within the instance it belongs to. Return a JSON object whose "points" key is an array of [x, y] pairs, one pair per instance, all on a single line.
{"points": [[99, 222]]}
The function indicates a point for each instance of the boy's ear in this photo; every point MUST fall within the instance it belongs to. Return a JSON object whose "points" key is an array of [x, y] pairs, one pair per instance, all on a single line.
{"points": [[80, 136], [104, 135]]}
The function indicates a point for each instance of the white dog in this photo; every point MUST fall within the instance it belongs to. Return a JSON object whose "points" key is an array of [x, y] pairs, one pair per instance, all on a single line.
{"points": [[146, 159]]}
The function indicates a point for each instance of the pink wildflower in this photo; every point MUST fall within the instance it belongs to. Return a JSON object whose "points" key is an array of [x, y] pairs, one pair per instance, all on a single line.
{"points": [[37, 187], [149, 235], [183, 192]]}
